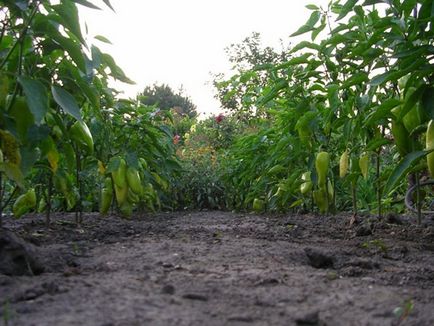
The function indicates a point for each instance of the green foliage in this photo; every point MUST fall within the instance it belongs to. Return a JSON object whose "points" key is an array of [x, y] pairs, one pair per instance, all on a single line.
{"points": [[59, 117], [201, 183], [365, 87], [163, 97], [238, 94]]}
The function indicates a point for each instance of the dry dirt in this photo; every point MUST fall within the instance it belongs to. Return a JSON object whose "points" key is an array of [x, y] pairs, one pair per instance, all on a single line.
{"points": [[221, 268]]}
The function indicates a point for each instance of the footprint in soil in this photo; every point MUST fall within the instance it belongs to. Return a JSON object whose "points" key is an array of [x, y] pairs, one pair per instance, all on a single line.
{"points": [[319, 259], [310, 319]]}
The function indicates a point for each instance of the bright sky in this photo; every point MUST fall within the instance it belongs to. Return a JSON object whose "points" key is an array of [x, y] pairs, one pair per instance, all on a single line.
{"points": [[181, 42]]}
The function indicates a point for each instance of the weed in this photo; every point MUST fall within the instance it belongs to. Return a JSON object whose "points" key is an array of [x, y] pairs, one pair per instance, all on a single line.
{"points": [[403, 311], [377, 244]]}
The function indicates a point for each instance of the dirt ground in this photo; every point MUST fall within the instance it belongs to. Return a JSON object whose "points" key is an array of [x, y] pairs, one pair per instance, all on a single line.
{"points": [[222, 268]]}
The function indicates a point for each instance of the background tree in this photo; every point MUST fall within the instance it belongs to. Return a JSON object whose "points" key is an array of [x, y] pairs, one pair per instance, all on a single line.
{"points": [[165, 98], [238, 93]]}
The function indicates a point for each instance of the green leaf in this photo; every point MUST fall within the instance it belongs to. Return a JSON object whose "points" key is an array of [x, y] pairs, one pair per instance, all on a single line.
{"points": [[317, 30], [23, 117], [403, 168], [13, 172], [295, 61], [310, 24], [408, 6], [36, 95], [115, 70], [382, 111], [428, 102], [312, 7], [90, 92], [387, 76], [411, 101], [313, 19], [132, 160], [355, 79], [87, 4], [4, 89], [272, 93], [103, 39], [245, 77], [374, 2], [346, 8], [107, 2], [304, 45], [66, 101], [376, 143], [113, 164], [303, 29], [68, 12], [73, 49]]}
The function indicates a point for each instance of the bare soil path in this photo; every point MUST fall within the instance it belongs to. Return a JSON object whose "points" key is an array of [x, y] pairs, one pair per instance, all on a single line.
{"points": [[221, 268]]}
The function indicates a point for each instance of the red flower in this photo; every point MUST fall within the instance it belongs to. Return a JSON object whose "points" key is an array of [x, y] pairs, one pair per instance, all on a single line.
{"points": [[219, 118], [176, 139]]}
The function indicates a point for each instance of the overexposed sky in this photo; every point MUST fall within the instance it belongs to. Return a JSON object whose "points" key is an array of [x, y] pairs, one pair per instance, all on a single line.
{"points": [[179, 42]]}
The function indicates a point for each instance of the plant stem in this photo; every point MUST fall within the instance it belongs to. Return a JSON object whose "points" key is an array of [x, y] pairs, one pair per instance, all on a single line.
{"points": [[378, 172], [353, 195], [418, 201], [78, 209], [1, 199], [50, 189], [20, 38]]}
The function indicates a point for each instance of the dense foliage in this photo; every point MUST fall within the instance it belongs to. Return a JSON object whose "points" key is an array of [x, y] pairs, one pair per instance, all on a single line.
{"points": [[345, 116], [165, 98], [63, 130], [340, 122]]}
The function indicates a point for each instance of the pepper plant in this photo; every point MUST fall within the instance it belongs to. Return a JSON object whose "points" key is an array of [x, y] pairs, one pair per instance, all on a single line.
{"points": [[361, 85], [56, 108]]}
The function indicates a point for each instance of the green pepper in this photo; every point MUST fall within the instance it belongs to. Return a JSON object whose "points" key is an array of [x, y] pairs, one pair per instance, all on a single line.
{"points": [[81, 134], [133, 180], [132, 197], [258, 205], [24, 203], [330, 191], [364, 165], [121, 194], [126, 209], [401, 137], [322, 166], [120, 175], [305, 187], [343, 164], [414, 118], [106, 196]]}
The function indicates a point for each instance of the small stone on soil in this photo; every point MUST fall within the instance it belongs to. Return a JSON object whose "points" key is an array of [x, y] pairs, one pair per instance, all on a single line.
{"points": [[364, 229]]}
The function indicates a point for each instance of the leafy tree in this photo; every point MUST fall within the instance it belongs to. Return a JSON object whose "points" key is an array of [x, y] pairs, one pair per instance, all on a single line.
{"points": [[165, 98], [238, 95]]}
